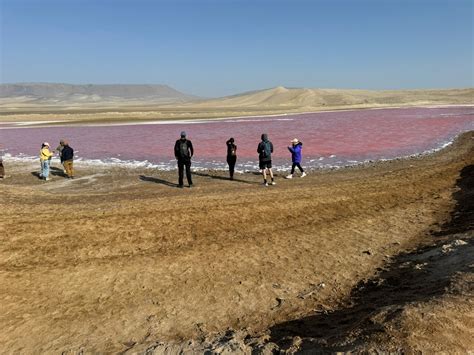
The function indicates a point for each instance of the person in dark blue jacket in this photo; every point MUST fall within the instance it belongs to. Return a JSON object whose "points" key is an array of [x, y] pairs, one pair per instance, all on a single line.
{"points": [[295, 149], [67, 158]]}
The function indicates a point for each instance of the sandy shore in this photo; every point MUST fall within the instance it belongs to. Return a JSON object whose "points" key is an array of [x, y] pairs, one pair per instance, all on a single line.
{"points": [[378, 257]]}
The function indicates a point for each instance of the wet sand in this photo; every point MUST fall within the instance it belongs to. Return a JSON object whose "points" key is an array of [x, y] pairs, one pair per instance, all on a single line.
{"points": [[378, 257]]}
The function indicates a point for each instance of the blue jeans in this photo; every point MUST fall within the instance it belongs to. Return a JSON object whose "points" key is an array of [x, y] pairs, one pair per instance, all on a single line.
{"points": [[45, 169]]}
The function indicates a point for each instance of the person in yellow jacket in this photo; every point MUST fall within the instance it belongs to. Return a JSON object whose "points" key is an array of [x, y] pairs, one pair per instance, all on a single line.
{"points": [[45, 159]]}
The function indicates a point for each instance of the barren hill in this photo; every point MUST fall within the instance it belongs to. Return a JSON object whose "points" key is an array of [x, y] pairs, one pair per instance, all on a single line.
{"points": [[53, 93], [113, 103], [316, 98]]}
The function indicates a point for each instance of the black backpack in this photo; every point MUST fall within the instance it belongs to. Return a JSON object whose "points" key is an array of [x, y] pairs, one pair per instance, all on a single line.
{"points": [[183, 149], [267, 149]]}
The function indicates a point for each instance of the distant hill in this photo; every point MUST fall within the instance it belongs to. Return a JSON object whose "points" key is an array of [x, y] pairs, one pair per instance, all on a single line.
{"points": [[54, 93], [169, 103], [281, 97]]}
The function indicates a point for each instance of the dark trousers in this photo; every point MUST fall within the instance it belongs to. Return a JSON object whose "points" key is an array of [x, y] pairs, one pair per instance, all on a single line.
{"points": [[296, 165], [181, 165], [2, 169], [231, 160]]}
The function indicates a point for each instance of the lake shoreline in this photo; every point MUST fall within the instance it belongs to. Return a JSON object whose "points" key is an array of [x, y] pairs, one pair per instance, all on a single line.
{"points": [[55, 120], [129, 262]]}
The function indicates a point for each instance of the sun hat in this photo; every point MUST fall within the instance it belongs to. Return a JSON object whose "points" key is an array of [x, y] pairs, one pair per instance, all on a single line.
{"points": [[295, 140], [46, 144]]}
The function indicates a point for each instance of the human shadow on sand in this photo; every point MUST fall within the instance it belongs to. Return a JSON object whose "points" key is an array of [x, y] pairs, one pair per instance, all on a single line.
{"points": [[385, 295], [217, 177], [57, 171], [157, 181], [36, 174]]}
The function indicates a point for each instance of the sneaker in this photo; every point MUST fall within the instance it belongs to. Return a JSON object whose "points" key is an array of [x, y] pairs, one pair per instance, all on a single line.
{"points": [[289, 176], [190, 185], [265, 184], [303, 175], [274, 183], [47, 179], [180, 186]]}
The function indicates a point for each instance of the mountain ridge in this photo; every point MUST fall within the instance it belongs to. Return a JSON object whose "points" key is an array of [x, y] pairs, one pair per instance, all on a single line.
{"points": [[93, 92], [307, 97]]}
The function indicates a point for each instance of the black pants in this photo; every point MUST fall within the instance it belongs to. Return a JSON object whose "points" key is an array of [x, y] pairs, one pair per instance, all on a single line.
{"points": [[231, 160], [181, 165], [2, 169], [296, 165]]}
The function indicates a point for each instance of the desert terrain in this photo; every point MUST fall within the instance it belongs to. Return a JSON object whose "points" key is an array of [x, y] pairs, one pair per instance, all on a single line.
{"points": [[378, 257], [89, 104]]}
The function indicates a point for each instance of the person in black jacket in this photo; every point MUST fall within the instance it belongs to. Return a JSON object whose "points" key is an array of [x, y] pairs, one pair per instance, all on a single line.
{"points": [[2, 169], [231, 156], [67, 157], [265, 150], [184, 151]]}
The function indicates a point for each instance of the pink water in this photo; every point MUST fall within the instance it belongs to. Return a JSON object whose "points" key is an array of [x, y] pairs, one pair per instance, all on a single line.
{"points": [[329, 138]]}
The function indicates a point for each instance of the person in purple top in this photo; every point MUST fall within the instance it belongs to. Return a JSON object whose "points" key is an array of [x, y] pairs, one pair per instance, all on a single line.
{"points": [[295, 149]]}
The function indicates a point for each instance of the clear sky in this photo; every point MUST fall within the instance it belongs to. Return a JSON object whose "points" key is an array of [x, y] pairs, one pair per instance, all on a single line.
{"points": [[216, 48]]}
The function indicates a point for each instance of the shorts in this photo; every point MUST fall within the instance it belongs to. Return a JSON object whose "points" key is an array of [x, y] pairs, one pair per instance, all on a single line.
{"points": [[265, 164]]}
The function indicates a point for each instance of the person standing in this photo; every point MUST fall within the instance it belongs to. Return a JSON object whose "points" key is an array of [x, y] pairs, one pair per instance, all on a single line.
{"points": [[45, 159], [231, 156], [67, 157], [295, 150], [184, 151], [59, 149], [2, 169], [265, 150]]}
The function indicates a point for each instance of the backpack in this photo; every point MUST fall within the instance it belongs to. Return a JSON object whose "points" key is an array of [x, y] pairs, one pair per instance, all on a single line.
{"points": [[183, 149], [267, 149]]}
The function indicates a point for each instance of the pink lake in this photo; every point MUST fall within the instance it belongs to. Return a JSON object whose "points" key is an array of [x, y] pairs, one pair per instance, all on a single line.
{"points": [[329, 138]]}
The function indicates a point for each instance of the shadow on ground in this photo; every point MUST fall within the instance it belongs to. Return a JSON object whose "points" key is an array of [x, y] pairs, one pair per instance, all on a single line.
{"points": [[52, 170], [36, 174], [403, 282], [157, 181], [462, 217], [217, 177], [57, 171]]}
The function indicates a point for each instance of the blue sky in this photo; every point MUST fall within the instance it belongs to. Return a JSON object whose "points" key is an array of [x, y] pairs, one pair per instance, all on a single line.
{"points": [[216, 48]]}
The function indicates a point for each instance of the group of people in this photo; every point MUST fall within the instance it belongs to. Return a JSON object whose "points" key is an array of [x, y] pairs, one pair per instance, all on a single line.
{"points": [[183, 151], [66, 156]]}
